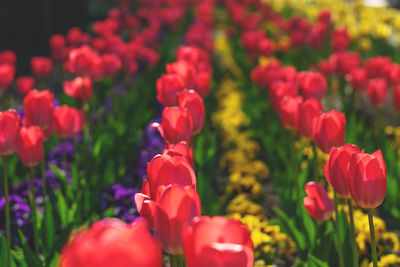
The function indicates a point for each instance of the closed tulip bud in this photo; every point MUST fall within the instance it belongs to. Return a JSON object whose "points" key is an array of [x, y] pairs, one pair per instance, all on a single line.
{"points": [[367, 179], [68, 121], [176, 126], [279, 90], [112, 242], [57, 47], [317, 202], [202, 83], [41, 66], [9, 134], [307, 112], [8, 57], [313, 85], [80, 88], [377, 91], [30, 145], [180, 149], [175, 209], [192, 102], [396, 98], [39, 108], [217, 242], [337, 168], [190, 54], [25, 84], [168, 87], [329, 130], [183, 68], [392, 74], [7, 74], [340, 40], [358, 78], [288, 109]]}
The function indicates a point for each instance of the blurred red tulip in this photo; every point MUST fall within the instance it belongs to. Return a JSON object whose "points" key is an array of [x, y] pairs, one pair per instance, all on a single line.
{"points": [[110, 64], [377, 91], [191, 101], [9, 133], [289, 107], [312, 85], [337, 168], [279, 90], [168, 87], [175, 209], [358, 78], [329, 130], [25, 84], [8, 57], [317, 202], [307, 112], [217, 242], [7, 74], [84, 61], [30, 145], [68, 121], [58, 47], [396, 98], [202, 83], [367, 179], [39, 108], [112, 242], [80, 88], [392, 74], [41, 66], [375, 66], [340, 40], [266, 47]]}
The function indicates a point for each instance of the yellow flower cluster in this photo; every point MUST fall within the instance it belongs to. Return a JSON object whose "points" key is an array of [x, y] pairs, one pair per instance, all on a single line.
{"points": [[361, 21], [244, 188]]}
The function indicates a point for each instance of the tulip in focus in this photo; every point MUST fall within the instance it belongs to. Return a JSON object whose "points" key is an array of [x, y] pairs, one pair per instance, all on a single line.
{"points": [[217, 242], [329, 130], [30, 145], [191, 101], [367, 179], [68, 121], [112, 242], [317, 202], [9, 133]]}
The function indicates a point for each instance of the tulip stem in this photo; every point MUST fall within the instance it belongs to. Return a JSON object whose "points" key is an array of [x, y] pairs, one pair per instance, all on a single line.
{"points": [[8, 232], [372, 231], [33, 212], [339, 245], [173, 260], [353, 233]]}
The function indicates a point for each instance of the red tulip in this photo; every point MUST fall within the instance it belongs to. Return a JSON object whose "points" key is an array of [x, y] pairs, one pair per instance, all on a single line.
{"points": [[183, 68], [313, 85], [192, 102], [377, 91], [307, 112], [358, 78], [266, 47], [396, 98], [337, 168], [58, 46], [288, 74], [202, 83], [175, 209], [176, 126], [9, 132], [30, 145], [217, 242], [7, 73], [84, 61], [190, 54], [80, 88], [279, 90], [39, 108], [340, 40], [288, 110], [168, 87], [8, 57], [367, 179], [25, 84], [75, 36], [111, 242], [145, 205], [329, 129], [317, 202], [392, 74], [68, 121], [110, 64], [375, 66], [180, 149], [41, 66]]}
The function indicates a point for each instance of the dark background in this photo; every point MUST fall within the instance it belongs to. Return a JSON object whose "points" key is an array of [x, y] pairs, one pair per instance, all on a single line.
{"points": [[26, 25]]}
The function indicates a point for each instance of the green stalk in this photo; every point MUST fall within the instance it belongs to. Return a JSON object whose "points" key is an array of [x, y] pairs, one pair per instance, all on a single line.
{"points": [[339, 245], [8, 232], [353, 232], [173, 261], [33, 211], [372, 232]]}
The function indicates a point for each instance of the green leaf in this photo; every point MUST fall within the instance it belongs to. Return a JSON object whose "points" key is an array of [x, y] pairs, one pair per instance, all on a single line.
{"points": [[48, 226], [31, 259], [315, 262], [62, 208], [309, 226], [292, 230], [58, 243], [3, 252]]}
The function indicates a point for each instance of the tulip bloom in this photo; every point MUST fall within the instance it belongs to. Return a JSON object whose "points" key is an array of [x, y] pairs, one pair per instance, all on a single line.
{"points": [[176, 207], [80, 88], [358, 78], [112, 242], [9, 133], [340, 40], [68, 121], [392, 74], [312, 85], [110, 64], [377, 91], [217, 242], [337, 168], [84, 61], [183, 68], [41, 66], [202, 82], [367, 179], [30, 145], [288, 110], [176, 125], [279, 90], [192, 102], [307, 112], [329, 130], [266, 47], [39, 108], [317, 203], [8, 57], [168, 87], [25, 84], [396, 98], [180, 149], [7, 73]]}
